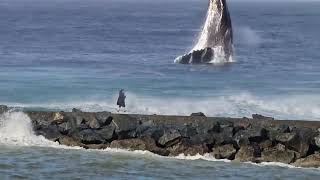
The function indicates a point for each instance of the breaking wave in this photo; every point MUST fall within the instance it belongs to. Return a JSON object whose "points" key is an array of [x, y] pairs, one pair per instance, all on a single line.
{"points": [[302, 107], [16, 129]]}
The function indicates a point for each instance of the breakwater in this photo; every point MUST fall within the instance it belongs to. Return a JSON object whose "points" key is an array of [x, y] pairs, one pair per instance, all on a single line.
{"points": [[257, 139]]}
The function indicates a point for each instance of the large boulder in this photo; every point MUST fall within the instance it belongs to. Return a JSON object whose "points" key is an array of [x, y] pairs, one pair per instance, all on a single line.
{"points": [[224, 152], [248, 154], [308, 162], [107, 133], [169, 138], [126, 126], [278, 154], [88, 136], [187, 147], [104, 118], [301, 141], [253, 134], [224, 137], [50, 132]]}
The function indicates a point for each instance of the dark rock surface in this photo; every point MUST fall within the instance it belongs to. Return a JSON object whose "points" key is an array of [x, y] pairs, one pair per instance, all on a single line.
{"points": [[3, 109], [239, 139]]}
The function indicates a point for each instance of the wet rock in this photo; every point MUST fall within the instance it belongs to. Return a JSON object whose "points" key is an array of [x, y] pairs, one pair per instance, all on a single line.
{"points": [[248, 154], [88, 136], [308, 162], [187, 148], [68, 141], [278, 154], [97, 146], [301, 141], [3, 109], [285, 137], [50, 132], [104, 118], [224, 137], [125, 126], [93, 123], [188, 131], [130, 144], [266, 144], [198, 114], [107, 133], [169, 138], [224, 152], [254, 134]]}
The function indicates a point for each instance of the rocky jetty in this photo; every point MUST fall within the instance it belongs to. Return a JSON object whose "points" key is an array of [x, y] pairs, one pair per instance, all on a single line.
{"points": [[258, 139]]}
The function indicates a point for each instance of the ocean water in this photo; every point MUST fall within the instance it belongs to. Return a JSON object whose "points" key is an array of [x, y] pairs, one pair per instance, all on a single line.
{"points": [[77, 53]]}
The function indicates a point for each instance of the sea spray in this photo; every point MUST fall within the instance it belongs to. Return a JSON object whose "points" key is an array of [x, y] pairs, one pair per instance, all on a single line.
{"points": [[242, 104], [16, 129]]}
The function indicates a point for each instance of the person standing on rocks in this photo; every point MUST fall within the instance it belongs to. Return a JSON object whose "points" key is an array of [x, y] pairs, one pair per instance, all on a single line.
{"points": [[121, 100]]}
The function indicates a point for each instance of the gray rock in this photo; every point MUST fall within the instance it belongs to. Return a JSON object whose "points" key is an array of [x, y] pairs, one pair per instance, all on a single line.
{"points": [[260, 117], [50, 132], [198, 114], [253, 134], [104, 118], [88, 136], [308, 162], [278, 154], [285, 137], [169, 138], [188, 148], [247, 154], [3, 109], [130, 144], [224, 152], [301, 141], [75, 110], [107, 133], [124, 123]]}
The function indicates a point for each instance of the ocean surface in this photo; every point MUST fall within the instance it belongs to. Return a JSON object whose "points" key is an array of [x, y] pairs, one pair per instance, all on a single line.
{"points": [[56, 55]]}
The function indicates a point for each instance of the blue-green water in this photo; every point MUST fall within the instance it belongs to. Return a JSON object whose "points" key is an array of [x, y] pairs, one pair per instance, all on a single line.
{"points": [[66, 53], [77, 53]]}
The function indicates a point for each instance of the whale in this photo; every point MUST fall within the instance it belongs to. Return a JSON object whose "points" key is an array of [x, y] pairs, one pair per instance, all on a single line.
{"points": [[215, 42]]}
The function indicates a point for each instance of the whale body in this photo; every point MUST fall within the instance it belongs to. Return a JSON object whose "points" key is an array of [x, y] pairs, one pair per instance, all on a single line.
{"points": [[215, 43]]}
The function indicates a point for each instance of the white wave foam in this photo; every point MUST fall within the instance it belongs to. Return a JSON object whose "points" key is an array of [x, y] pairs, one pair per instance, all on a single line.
{"points": [[305, 107], [16, 129]]}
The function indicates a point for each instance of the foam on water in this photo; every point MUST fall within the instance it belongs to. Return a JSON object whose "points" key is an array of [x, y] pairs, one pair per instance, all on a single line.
{"points": [[16, 129]]}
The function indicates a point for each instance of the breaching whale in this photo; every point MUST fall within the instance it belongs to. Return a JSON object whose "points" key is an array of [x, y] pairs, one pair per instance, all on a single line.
{"points": [[215, 43]]}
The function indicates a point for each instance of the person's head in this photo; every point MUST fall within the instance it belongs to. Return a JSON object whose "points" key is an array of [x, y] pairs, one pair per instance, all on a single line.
{"points": [[121, 90]]}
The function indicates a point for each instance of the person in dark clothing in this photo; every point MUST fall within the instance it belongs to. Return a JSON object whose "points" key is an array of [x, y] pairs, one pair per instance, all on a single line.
{"points": [[121, 100]]}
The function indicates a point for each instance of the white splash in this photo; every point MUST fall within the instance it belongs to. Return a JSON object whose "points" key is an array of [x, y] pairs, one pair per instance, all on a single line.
{"points": [[243, 104], [16, 129]]}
